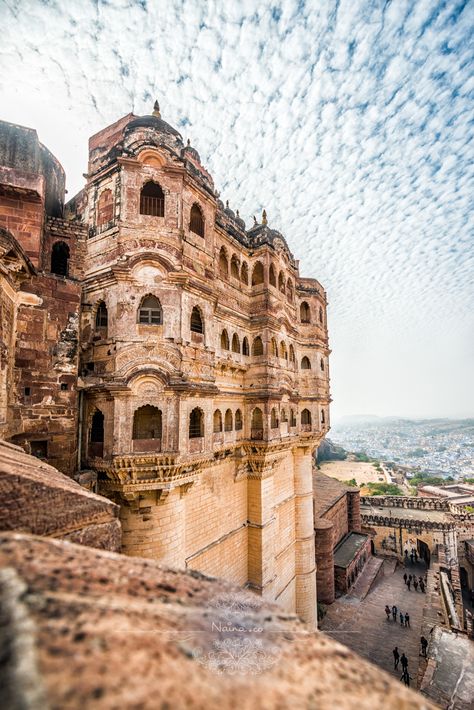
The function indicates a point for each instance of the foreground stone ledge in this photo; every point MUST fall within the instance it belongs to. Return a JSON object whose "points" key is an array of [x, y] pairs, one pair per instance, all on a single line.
{"points": [[36, 498], [103, 630]]}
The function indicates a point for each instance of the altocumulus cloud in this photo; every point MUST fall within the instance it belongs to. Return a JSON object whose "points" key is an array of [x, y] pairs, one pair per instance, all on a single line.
{"points": [[348, 121]]}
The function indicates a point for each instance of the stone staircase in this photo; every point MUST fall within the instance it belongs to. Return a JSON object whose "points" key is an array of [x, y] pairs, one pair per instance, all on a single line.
{"points": [[372, 571]]}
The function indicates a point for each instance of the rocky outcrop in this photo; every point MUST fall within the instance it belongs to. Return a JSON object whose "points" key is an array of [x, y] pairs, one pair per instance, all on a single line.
{"points": [[37, 498], [328, 451], [84, 628]]}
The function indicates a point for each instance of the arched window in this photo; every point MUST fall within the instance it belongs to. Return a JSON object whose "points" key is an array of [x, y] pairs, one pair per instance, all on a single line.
{"points": [[257, 274], [223, 263], [196, 423], [238, 420], [97, 427], [244, 273], [306, 417], [150, 312], [305, 313], [257, 347], [281, 281], [147, 423], [105, 208], [323, 418], [289, 290], [234, 267], [101, 319], [228, 421], [196, 222], [284, 417], [321, 319], [245, 346], [292, 354], [273, 348], [152, 200], [96, 434], [292, 417], [235, 343], [272, 276], [197, 325], [273, 419], [321, 364], [60, 259], [257, 424], [305, 363], [283, 351], [224, 340], [217, 421]]}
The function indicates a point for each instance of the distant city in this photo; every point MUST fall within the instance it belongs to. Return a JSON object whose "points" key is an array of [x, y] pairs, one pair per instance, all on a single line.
{"points": [[444, 447]]}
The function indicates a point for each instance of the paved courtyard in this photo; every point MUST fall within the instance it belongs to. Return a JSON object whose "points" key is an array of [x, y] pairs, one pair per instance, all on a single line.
{"points": [[363, 626]]}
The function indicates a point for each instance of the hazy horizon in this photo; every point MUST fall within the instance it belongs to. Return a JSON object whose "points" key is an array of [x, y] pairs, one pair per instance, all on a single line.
{"points": [[349, 122]]}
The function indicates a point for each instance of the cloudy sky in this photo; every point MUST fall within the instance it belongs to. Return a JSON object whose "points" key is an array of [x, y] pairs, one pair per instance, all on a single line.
{"points": [[350, 121]]}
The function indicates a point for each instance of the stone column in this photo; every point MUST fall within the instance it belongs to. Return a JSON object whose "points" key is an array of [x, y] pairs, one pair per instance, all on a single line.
{"points": [[261, 530], [353, 511], [305, 562], [324, 542], [153, 525]]}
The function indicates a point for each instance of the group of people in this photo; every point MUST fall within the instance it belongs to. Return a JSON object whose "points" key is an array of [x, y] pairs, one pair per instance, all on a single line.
{"points": [[406, 677], [394, 614], [397, 658], [411, 579]]}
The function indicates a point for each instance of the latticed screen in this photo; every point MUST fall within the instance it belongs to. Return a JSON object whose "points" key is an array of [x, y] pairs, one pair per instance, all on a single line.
{"points": [[150, 311], [101, 316], [152, 200], [196, 424], [196, 224], [196, 321]]}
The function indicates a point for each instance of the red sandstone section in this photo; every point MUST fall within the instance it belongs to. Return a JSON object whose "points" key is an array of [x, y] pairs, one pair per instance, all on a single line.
{"points": [[37, 498], [101, 630]]}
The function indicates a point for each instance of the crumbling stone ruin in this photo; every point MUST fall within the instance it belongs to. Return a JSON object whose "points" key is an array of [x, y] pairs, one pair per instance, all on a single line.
{"points": [[151, 340]]}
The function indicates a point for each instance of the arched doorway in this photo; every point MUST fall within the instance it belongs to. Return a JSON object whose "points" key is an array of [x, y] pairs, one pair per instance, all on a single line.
{"points": [[423, 552]]}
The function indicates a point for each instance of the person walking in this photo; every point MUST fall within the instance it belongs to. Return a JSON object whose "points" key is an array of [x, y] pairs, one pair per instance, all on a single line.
{"points": [[404, 661], [422, 586], [408, 583], [410, 578], [415, 584], [387, 611], [424, 646], [407, 619], [401, 619], [406, 677], [396, 658], [405, 577], [394, 612]]}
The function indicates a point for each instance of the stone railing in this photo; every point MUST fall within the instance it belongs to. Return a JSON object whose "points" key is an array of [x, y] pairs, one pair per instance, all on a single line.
{"points": [[406, 502]]}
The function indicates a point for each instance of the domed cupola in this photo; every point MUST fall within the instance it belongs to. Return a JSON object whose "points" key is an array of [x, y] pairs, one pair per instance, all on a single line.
{"points": [[240, 221], [152, 130], [191, 153], [262, 234], [230, 213]]}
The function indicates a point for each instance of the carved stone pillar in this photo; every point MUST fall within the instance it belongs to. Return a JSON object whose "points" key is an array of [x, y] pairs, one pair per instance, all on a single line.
{"points": [[304, 547]]}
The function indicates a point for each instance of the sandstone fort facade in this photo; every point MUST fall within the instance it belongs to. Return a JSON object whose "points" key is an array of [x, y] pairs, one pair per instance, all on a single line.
{"points": [[148, 337]]}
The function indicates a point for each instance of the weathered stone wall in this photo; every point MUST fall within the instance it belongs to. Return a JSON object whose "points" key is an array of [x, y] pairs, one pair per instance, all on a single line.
{"points": [[38, 499]]}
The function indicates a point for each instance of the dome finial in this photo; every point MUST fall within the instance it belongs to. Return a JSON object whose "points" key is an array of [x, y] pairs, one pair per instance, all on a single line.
{"points": [[156, 110], [227, 204], [188, 143], [264, 217], [254, 220]]}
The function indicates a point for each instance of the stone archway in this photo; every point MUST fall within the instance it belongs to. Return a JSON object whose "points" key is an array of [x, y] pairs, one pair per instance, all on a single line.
{"points": [[423, 552]]}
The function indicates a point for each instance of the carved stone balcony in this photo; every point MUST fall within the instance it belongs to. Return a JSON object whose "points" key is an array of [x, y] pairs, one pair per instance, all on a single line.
{"points": [[146, 445]]}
